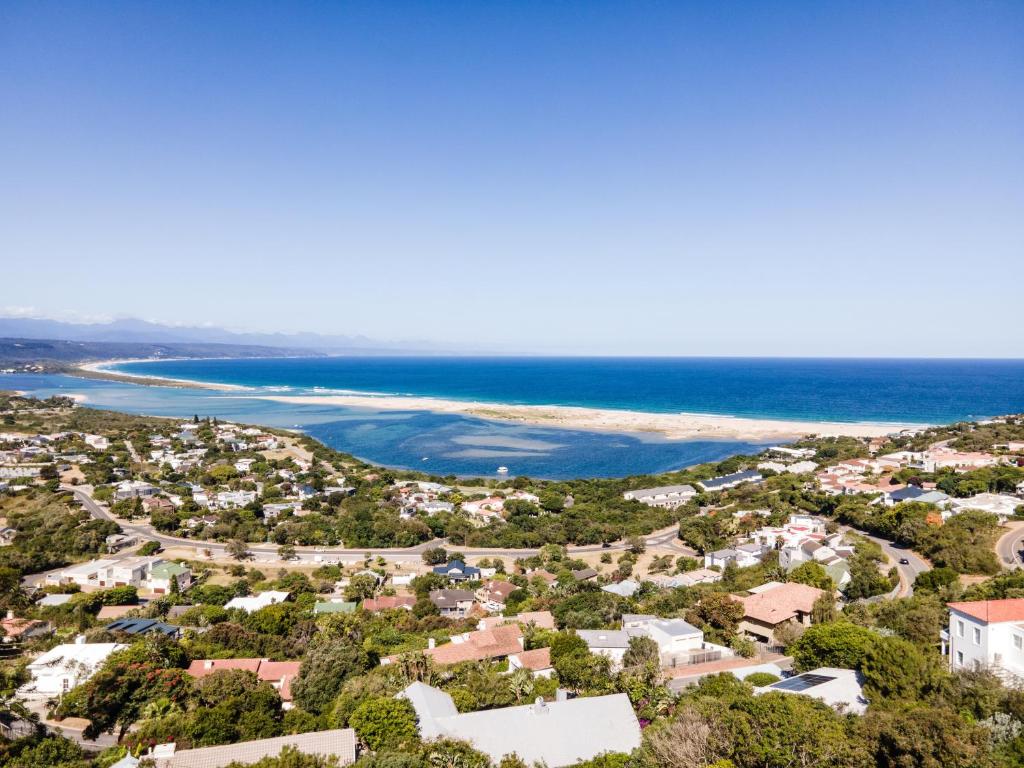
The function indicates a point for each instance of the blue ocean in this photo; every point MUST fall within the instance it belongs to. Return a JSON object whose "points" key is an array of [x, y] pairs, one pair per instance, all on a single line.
{"points": [[904, 391]]}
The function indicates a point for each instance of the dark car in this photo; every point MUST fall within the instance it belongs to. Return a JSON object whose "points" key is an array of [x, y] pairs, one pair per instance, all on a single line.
{"points": [[904, 561]]}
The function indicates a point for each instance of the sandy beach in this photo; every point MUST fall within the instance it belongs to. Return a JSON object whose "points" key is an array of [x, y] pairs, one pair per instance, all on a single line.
{"points": [[98, 370], [677, 426]]}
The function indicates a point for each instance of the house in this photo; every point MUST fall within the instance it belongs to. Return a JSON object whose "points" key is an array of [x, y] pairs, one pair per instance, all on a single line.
{"points": [[537, 662], [485, 509], [493, 594], [839, 688], [163, 574], [333, 606], [143, 627], [482, 645], [453, 603], [132, 489], [624, 588], [999, 504], [791, 453], [64, 666], [666, 496], [677, 640], [117, 541], [279, 674], [584, 574], [151, 504], [796, 468], [52, 601], [749, 554], [688, 579], [15, 630], [987, 634], [244, 465], [730, 481], [557, 733], [457, 570], [900, 495], [388, 603], [340, 743], [231, 499], [256, 602], [83, 574], [773, 605]]}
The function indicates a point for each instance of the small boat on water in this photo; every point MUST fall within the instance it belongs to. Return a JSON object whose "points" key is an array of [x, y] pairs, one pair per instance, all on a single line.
{"points": [[502, 470]]}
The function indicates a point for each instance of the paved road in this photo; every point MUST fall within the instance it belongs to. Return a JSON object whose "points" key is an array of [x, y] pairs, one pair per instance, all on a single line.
{"points": [[1010, 546], [665, 538], [909, 571]]}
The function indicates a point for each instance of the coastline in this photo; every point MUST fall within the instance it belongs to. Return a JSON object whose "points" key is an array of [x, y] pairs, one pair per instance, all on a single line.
{"points": [[673, 426], [96, 370]]}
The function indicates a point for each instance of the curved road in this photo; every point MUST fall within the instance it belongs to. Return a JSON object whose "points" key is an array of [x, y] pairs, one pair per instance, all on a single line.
{"points": [[664, 538], [908, 572], [1010, 547]]}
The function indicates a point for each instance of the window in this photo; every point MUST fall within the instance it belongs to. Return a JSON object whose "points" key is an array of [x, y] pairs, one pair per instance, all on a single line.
{"points": [[960, 658], [960, 628], [977, 635], [1018, 642]]}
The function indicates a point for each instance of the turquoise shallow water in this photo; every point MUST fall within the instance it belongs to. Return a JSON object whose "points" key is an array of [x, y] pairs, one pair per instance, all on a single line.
{"points": [[908, 391], [917, 391], [440, 444]]}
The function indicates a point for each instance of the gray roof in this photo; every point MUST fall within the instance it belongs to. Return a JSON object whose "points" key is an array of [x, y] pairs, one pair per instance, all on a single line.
{"points": [[554, 733], [676, 627], [341, 743], [735, 477], [445, 597], [663, 490], [604, 638]]}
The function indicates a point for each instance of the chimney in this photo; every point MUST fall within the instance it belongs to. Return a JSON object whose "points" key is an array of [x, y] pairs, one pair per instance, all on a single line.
{"points": [[10, 614], [561, 694], [539, 707], [431, 643], [208, 664], [80, 640]]}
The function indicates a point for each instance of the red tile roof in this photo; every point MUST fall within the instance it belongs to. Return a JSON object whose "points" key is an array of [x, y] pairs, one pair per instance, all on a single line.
{"points": [[485, 644], [781, 603], [278, 673], [992, 611], [535, 660], [387, 602]]}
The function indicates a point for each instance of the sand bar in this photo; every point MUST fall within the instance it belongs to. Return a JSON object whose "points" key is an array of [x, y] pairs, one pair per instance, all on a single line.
{"points": [[98, 370], [677, 426]]}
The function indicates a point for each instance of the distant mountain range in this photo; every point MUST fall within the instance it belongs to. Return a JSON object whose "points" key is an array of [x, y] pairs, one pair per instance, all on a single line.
{"points": [[53, 354], [144, 332]]}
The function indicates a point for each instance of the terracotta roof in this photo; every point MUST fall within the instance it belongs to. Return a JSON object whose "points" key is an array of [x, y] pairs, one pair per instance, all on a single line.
{"points": [[992, 611], [387, 602], [16, 627], [279, 672], [498, 590], [535, 660], [781, 603], [485, 644]]}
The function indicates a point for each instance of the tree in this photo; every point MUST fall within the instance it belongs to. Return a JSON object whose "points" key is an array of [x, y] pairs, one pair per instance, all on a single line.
{"points": [[325, 669], [642, 651], [812, 574], [435, 556], [824, 609], [360, 587], [286, 552], [238, 549], [385, 722], [838, 644], [935, 580], [718, 612]]}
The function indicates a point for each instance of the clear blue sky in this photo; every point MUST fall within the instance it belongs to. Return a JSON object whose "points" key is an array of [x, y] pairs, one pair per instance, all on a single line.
{"points": [[591, 177]]}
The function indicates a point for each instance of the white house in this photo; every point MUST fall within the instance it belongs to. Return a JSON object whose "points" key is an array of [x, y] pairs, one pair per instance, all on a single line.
{"points": [[64, 666], [666, 496], [999, 504], [987, 634], [254, 603], [839, 688], [554, 733], [675, 638]]}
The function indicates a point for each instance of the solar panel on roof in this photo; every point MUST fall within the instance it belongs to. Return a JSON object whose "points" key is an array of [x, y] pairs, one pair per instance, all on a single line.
{"points": [[801, 683]]}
